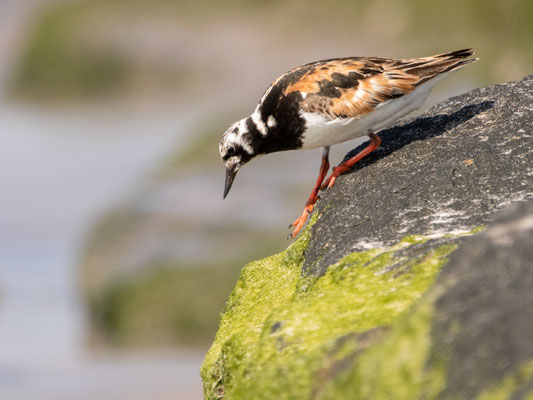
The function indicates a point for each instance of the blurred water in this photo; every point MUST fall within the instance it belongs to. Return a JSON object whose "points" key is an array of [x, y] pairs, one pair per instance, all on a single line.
{"points": [[59, 168]]}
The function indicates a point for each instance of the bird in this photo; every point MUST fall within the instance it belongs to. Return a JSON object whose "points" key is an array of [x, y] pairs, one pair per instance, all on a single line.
{"points": [[327, 102]]}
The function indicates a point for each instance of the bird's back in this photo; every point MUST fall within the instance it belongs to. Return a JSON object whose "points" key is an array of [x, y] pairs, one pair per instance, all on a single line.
{"points": [[343, 98]]}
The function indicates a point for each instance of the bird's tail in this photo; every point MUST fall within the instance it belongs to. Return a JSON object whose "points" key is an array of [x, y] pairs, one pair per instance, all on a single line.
{"points": [[428, 67]]}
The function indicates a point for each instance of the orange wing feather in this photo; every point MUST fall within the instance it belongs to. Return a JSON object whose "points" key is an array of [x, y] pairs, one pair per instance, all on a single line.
{"points": [[351, 87], [361, 98]]}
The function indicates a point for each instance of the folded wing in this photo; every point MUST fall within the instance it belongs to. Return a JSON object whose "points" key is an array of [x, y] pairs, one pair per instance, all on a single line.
{"points": [[351, 87]]}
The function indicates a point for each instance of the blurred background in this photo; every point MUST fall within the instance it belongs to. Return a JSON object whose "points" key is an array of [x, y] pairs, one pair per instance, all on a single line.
{"points": [[116, 249]]}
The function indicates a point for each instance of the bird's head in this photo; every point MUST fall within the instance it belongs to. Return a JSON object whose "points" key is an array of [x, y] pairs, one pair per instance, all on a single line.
{"points": [[236, 150]]}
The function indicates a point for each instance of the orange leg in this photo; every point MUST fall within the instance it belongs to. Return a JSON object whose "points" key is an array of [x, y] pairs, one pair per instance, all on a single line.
{"points": [[299, 223], [375, 142]]}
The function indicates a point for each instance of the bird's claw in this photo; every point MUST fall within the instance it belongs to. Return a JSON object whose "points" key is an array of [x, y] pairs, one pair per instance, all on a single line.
{"points": [[300, 222]]}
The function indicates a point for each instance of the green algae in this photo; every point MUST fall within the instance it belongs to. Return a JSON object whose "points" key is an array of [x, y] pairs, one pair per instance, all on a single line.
{"points": [[413, 239], [397, 367], [263, 286], [280, 331], [353, 296], [477, 230]]}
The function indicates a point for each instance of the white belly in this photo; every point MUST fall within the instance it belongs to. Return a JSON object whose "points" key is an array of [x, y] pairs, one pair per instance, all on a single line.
{"points": [[323, 132]]}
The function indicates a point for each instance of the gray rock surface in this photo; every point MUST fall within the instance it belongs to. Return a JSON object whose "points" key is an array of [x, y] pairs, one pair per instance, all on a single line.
{"points": [[484, 318], [447, 171]]}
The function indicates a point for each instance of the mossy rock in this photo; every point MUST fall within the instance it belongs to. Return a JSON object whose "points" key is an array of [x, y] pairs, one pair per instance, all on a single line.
{"points": [[284, 335], [376, 325], [374, 301]]}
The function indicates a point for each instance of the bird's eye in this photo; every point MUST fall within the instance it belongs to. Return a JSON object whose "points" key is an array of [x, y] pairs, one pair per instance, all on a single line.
{"points": [[231, 151]]}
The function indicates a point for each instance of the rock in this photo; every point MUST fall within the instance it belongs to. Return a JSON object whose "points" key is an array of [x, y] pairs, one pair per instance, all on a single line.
{"points": [[447, 171], [484, 317], [373, 300]]}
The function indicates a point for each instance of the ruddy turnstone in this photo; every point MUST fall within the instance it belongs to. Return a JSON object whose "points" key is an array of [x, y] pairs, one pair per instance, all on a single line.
{"points": [[331, 101]]}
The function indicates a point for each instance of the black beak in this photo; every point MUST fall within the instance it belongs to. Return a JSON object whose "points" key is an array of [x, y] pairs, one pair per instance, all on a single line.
{"points": [[230, 176]]}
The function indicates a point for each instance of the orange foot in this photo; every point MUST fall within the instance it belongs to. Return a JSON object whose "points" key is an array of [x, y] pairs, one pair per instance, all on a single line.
{"points": [[300, 222], [310, 205]]}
